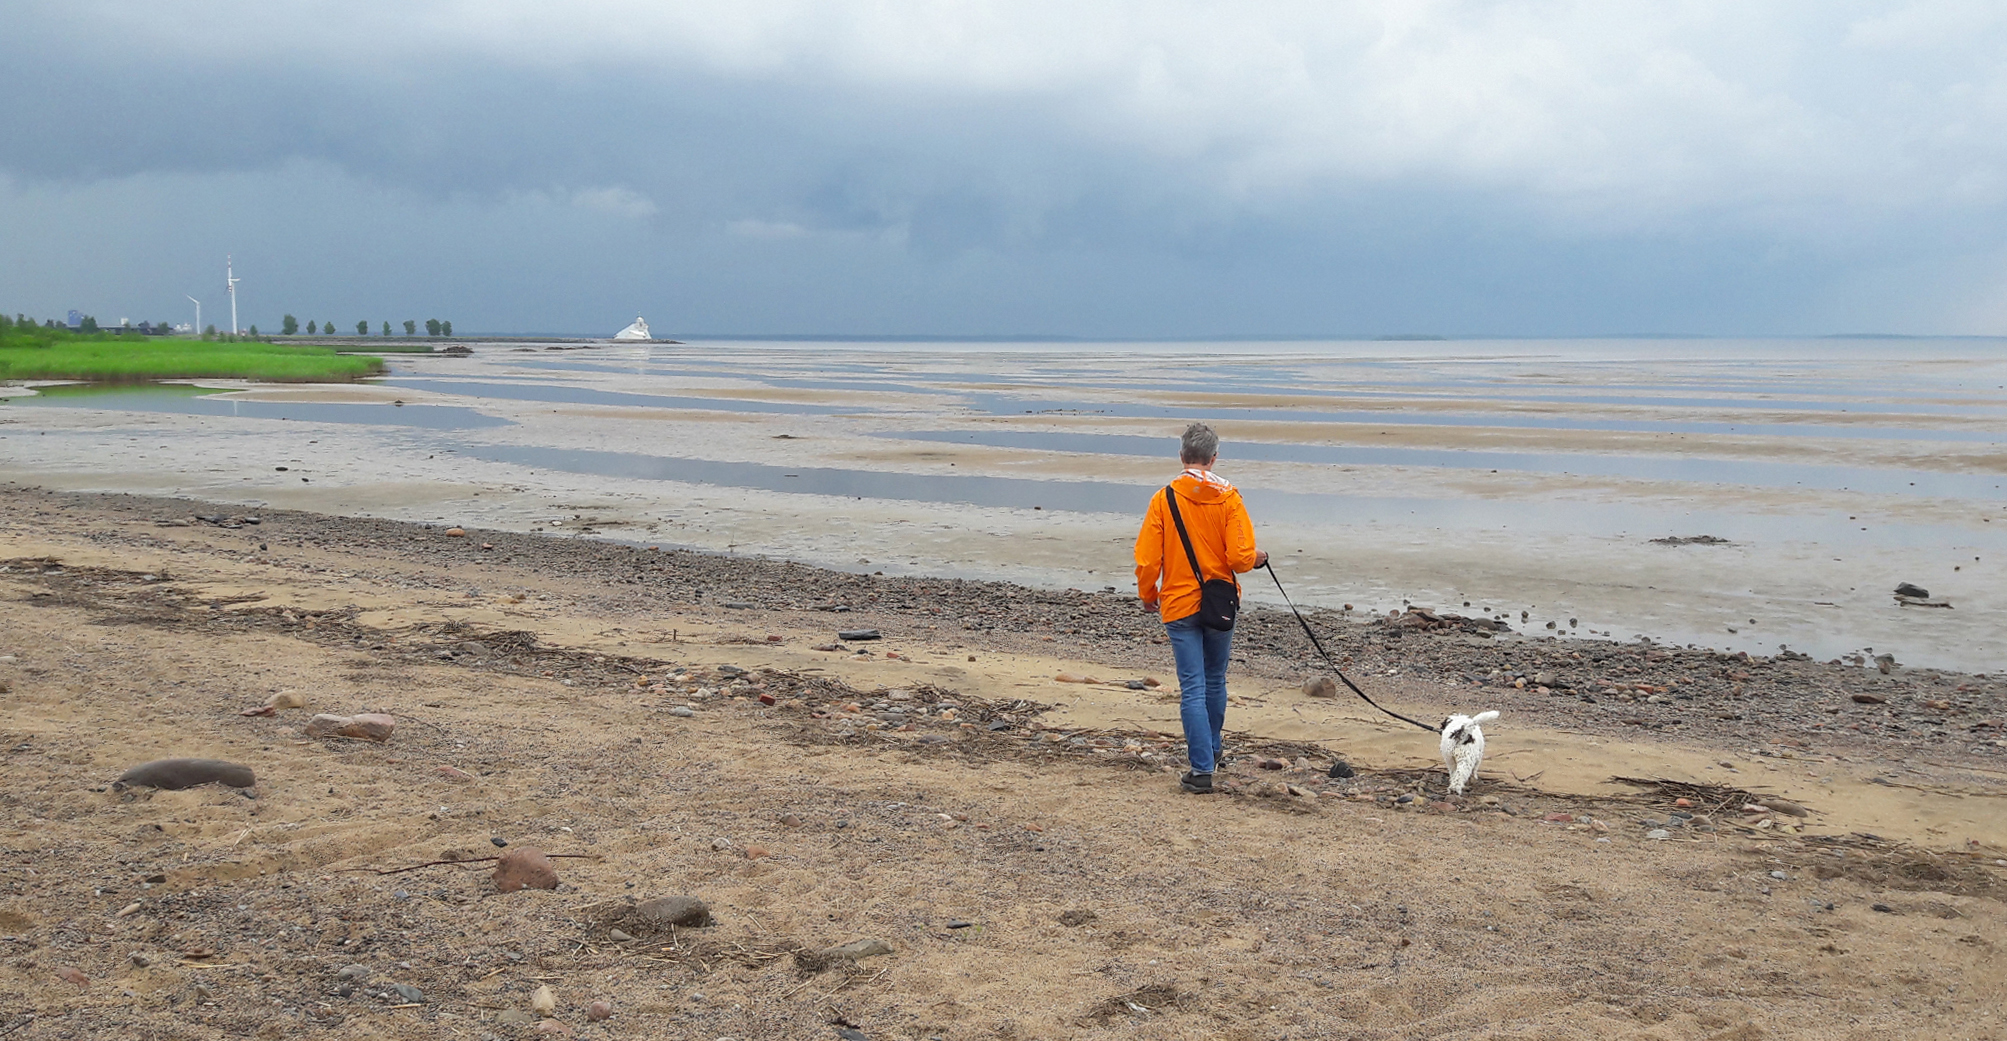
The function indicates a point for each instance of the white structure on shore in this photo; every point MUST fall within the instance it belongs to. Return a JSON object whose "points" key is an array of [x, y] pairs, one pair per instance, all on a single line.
{"points": [[637, 331]]}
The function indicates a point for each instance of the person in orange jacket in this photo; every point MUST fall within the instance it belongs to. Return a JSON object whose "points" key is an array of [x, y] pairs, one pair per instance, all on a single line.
{"points": [[1223, 540]]}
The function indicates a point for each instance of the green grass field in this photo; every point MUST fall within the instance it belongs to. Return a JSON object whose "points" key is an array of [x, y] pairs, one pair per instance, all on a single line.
{"points": [[31, 353]]}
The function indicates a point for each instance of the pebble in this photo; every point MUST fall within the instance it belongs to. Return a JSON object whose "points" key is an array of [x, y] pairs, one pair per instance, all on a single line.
{"points": [[140, 959], [599, 1010], [1658, 834], [1883, 908], [1779, 876], [408, 993], [683, 711], [525, 867], [515, 1017], [1341, 769], [552, 1026], [854, 635], [72, 974], [498, 841], [618, 937], [454, 773], [352, 972], [542, 1001], [456, 533]]}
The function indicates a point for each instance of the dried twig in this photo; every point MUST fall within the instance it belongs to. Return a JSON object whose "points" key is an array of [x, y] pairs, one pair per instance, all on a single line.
{"points": [[469, 860]]}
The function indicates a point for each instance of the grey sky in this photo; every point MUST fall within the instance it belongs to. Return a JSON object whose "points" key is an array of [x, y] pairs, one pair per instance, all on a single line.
{"points": [[1083, 168]]}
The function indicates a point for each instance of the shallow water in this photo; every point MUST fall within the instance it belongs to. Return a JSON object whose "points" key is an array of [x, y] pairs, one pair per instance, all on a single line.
{"points": [[205, 401], [1529, 475]]}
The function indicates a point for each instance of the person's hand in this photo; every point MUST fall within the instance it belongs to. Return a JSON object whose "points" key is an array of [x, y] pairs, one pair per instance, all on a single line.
{"points": [[1150, 606], [1260, 558]]}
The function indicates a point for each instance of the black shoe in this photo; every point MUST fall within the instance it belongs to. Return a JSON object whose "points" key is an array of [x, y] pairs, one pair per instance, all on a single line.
{"points": [[1197, 784]]}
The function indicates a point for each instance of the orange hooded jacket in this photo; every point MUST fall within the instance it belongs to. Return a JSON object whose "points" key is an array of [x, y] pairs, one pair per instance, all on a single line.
{"points": [[1222, 539]]}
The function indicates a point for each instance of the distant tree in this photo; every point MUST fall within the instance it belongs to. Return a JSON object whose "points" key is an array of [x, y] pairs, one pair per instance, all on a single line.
{"points": [[312, 329], [432, 327], [90, 324], [327, 328], [386, 328], [410, 328], [209, 331], [252, 332], [289, 325], [362, 327], [446, 328]]}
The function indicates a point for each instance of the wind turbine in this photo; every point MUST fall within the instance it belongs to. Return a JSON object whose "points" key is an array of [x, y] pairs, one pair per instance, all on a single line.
{"points": [[230, 281], [198, 313]]}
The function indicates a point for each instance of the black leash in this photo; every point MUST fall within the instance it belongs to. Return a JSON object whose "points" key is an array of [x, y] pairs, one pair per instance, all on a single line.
{"points": [[1334, 665]]}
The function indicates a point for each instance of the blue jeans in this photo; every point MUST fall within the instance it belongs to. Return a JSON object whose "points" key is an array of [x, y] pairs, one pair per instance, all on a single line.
{"points": [[1201, 654]]}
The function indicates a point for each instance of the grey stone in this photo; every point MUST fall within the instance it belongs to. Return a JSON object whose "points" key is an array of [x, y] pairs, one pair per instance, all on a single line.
{"points": [[1779, 876], [1659, 834], [407, 993], [684, 911], [352, 972], [858, 634], [684, 711], [515, 1017]]}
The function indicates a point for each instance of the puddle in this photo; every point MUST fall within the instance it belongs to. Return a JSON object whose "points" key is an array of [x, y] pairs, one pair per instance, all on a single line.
{"points": [[560, 393], [205, 401], [1004, 405], [1579, 518], [1693, 469]]}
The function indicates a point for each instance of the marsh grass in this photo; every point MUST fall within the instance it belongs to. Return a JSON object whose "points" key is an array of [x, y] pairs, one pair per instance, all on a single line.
{"points": [[28, 352]]}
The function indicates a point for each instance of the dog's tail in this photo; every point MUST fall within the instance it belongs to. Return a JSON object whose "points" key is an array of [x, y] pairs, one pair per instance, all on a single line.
{"points": [[1484, 717]]}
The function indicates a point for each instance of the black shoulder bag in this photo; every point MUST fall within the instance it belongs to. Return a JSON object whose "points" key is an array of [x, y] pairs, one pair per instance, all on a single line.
{"points": [[1219, 598]]}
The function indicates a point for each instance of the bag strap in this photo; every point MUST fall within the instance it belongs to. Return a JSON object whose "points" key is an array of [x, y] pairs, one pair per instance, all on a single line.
{"points": [[1171, 500]]}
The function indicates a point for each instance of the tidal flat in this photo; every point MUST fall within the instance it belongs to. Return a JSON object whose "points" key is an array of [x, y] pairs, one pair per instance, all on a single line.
{"points": [[1524, 480]]}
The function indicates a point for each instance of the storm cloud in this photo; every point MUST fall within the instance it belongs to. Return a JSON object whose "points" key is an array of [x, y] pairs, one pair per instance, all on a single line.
{"points": [[1086, 168]]}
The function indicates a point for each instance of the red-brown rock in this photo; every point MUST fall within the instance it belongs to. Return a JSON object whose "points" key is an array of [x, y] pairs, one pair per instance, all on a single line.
{"points": [[367, 726], [525, 867]]}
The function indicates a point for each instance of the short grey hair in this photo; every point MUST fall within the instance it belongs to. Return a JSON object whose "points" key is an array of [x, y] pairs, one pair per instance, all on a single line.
{"points": [[1200, 444]]}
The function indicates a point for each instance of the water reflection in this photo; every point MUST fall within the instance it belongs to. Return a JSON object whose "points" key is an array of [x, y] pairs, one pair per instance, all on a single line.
{"points": [[204, 401]]}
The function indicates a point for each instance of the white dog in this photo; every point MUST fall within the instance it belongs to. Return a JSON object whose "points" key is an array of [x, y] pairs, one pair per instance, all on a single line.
{"points": [[1463, 748]]}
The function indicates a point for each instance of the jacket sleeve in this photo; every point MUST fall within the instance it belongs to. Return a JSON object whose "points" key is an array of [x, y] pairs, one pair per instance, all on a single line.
{"points": [[1239, 537], [1150, 551]]}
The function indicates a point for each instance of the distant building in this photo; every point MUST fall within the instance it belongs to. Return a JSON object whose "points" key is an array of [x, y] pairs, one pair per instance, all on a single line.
{"points": [[76, 319]]}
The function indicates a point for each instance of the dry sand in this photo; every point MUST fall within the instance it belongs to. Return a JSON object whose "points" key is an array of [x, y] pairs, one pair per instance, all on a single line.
{"points": [[1032, 872]]}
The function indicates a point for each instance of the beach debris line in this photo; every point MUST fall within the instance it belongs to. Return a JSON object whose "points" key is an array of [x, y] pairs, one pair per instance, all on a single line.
{"points": [[1692, 540], [1146, 683]]}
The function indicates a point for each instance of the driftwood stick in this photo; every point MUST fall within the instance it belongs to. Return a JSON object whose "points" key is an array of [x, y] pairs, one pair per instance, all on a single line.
{"points": [[469, 860]]}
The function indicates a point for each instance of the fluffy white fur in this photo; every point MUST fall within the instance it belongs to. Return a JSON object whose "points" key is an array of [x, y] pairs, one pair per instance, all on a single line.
{"points": [[1463, 748]]}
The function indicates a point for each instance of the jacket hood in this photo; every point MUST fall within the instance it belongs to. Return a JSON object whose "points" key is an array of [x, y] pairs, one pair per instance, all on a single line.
{"points": [[1210, 489]]}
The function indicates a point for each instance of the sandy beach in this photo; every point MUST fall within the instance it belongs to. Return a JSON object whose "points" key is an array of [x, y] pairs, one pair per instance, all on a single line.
{"points": [[678, 723]]}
